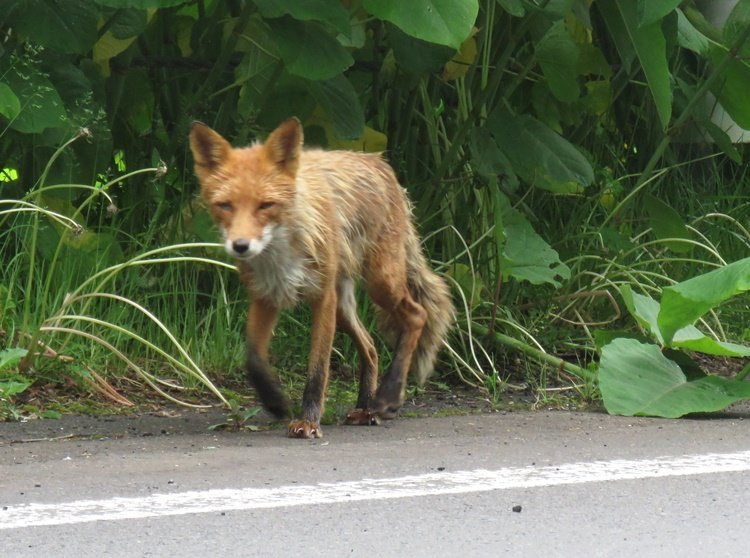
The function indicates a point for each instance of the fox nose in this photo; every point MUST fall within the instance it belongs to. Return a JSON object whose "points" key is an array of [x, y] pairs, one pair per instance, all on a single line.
{"points": [[241, 245]]}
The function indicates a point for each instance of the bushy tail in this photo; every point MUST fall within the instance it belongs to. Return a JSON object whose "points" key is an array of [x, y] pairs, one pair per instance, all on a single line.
{"points": [[429, 290]]}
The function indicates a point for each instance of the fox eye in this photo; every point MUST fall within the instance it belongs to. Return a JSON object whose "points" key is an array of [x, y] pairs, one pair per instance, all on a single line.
{"points": [[266, 205], [224, 206]]}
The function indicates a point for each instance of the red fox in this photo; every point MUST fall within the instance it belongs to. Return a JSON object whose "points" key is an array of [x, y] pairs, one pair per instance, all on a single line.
{"points": [[306, 224]]}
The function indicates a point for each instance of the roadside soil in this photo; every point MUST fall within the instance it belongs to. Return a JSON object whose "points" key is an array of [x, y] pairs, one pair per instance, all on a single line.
{"points": [[153, 416], [159, 418]]}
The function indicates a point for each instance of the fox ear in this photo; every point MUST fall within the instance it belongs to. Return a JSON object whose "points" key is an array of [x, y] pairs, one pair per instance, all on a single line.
{"points": [[208, 147], [284, 144]]}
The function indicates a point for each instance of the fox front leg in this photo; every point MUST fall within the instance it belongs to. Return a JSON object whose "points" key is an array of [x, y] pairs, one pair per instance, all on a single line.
{"points": [[260, 322], [321, 344]]}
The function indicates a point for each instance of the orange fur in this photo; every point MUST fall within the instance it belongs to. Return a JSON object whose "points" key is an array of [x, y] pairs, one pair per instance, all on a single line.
{"points": [[305, 224]]}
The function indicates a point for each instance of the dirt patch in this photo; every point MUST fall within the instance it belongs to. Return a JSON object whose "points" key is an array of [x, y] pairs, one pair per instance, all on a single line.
{"points": [[167, 419], [152, 416]]}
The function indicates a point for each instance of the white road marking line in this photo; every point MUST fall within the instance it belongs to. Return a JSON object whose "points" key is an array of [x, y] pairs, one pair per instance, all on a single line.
{"points": [[480, 480]]}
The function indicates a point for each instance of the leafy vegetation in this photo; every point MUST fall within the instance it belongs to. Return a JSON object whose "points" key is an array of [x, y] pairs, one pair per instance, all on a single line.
{"points": [[568, 159], [646, 379]]}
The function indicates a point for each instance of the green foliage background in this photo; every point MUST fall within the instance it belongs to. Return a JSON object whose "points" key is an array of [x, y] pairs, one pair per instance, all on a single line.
{"points": [[555, 150]]}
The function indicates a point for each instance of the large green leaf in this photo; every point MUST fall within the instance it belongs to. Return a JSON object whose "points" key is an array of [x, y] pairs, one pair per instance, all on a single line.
{"points": [[617, 32], [10, 106], [326, 11], [525, 254], [557, 9], [513, 7], [737, 22], [685, 302], [689, 37], [416, 56], [667, 223], [41, 105], [128, 23], [308, 50], [693, 339], [488, 161], [445, 22], [63, 25], [732, 90], [557, 54], [138, 106], [649, 45], [722, 141], [341, 104], [645, 310], [539, 155], [139, 3], [637, 379], [651, 11]]}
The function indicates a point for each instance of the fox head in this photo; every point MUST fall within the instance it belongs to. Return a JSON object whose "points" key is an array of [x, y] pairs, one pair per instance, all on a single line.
{"points": [[248, 191]]}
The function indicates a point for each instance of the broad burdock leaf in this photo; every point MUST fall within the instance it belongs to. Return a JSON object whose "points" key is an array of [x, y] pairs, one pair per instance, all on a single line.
{"points": [[308, 50], [525, 255], [737, 22], [732, 89], [416, 56], [685, 302], [40, 104], [140, 3], [557, 54], [539, 155], [689, 37], [444, 22], [646, 310], [667, 223], [332, 13], [722, 141], [638, 379], [649, 45], [513, 7], [340, 102], [651, 11], [10, 106], [67, 26], [693, 339]]}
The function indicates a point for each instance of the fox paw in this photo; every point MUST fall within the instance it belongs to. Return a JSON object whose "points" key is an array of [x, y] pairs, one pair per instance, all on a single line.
{"points": [[387, 410], [363, 417], [304, 429]]}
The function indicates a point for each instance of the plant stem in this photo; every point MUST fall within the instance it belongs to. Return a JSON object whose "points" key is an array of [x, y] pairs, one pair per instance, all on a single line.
{"points": [[28, 296], [582, 373]]}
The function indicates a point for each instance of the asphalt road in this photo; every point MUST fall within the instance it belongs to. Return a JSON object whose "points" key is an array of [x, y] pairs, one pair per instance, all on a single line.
{"points": [[517, 484]]}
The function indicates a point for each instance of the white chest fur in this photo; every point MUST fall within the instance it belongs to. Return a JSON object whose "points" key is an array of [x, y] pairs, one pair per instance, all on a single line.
{"points": [[281, 274]]}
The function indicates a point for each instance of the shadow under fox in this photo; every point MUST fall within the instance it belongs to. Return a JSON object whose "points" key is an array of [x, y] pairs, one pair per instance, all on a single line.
{"points": [[306, 224]]}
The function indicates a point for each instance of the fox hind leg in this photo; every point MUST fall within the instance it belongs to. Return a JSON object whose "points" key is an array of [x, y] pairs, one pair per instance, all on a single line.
{"points": [[348, 321], [387, 285]]}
